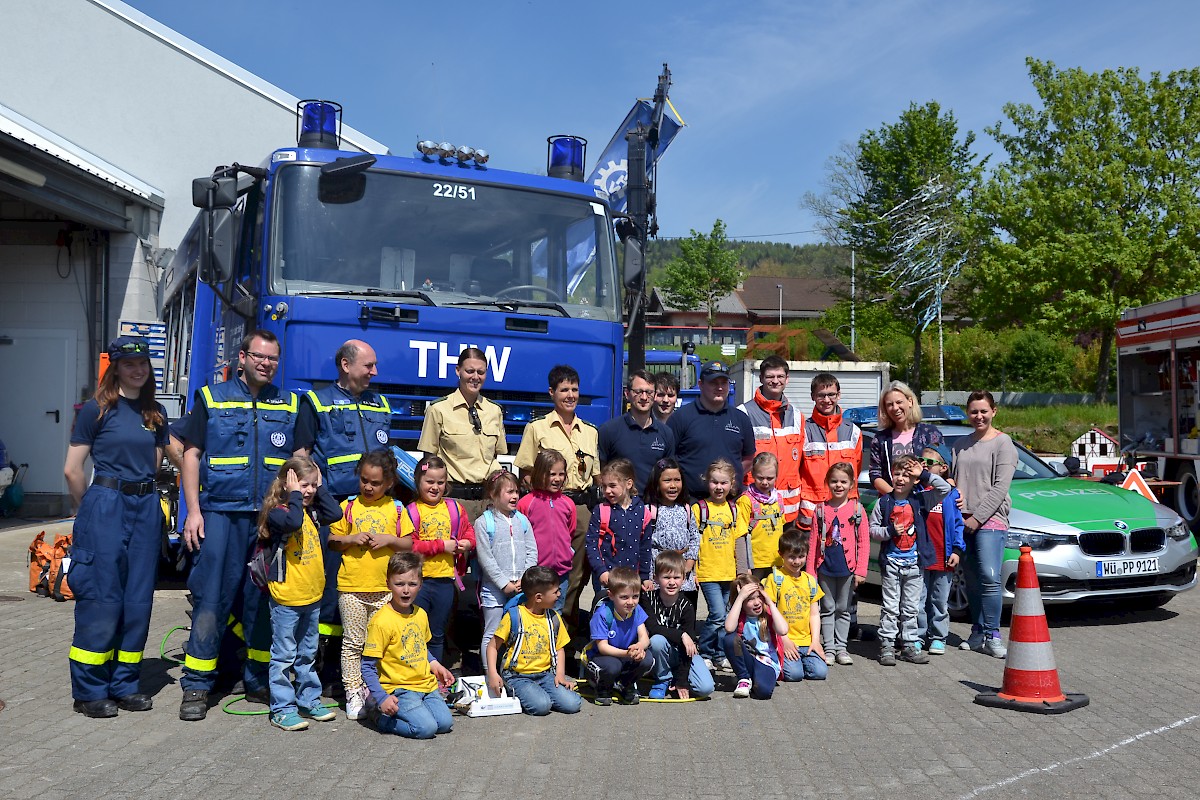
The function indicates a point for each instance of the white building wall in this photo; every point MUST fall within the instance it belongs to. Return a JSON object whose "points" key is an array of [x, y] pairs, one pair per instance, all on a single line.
{"points": [[142, 97]]}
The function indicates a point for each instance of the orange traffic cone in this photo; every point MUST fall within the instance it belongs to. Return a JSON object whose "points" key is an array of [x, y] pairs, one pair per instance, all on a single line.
{"points": [[1030, 676]]}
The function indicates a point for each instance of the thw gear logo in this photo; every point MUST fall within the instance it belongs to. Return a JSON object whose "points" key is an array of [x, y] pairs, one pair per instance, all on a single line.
{"points": [[613, 177]]}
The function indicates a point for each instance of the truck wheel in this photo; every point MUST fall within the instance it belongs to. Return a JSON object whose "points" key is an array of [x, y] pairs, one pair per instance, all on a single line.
{"points": [[957, 602], [1187, 496]]}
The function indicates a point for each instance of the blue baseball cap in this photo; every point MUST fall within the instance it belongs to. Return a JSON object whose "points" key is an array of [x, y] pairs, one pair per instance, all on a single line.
{"points": [[713, 369], [128, 347]]}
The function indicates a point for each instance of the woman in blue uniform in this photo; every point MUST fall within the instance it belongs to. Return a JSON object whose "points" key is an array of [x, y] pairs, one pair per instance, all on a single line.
{"points": [[114, 557]]}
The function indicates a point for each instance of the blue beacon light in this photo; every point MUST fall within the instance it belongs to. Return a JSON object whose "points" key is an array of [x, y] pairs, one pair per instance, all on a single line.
{"points": [[565, 157], [320, 123]]}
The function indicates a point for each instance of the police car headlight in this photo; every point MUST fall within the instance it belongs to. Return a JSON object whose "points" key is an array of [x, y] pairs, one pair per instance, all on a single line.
{"points": [[1179, 531], [1037, 541]]}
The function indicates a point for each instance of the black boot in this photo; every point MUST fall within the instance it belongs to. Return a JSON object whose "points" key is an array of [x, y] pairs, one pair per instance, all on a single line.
{"points": [[194, 706], [97, 709], [135, 702]]}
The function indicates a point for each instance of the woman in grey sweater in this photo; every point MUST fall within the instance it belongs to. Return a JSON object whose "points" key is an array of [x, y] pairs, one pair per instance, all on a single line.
{"points": [[984, 463]]}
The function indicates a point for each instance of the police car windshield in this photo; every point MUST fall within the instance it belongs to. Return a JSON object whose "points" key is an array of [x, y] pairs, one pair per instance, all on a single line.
{"points": [[455, 242]]}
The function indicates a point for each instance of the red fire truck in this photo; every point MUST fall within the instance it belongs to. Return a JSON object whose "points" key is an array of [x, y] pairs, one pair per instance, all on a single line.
{"points": [[1158, 354]]}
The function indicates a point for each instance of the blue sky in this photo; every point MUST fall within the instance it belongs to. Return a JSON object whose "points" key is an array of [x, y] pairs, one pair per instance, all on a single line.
{"points": [[768, 89]]}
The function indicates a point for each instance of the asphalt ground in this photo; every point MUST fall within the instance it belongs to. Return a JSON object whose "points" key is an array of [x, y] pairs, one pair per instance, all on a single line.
{"points": [[868, 731]]}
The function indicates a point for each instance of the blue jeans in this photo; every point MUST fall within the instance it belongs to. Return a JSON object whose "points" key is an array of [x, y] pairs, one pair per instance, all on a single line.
{"points": [[436, 596], [933, 615], [418, 715], [539, 695], [667, 657], [562, 593], [809, 666], [746, 667], [981, 569], [294, 646], [716, 597]]}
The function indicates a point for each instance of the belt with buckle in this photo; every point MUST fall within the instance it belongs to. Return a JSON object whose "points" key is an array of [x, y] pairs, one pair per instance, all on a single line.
{"points": [[124, 487], [466, 491]]}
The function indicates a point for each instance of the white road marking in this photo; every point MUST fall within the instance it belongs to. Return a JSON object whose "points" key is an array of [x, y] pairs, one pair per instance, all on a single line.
{"points": [[1020, 776]]}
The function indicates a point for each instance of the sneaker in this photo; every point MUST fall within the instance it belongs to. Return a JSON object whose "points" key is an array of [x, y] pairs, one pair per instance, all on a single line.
{"points": [[628, 694], [319, 713], [937, 647], [844, 659], [973, 642], [720, 662], [828, 659], [602, 699], [994, 648], [887, 657], [708, 662], [912, 654], [194, 706], [659, 691], [288, 721], [742, 689], [354, 705]]}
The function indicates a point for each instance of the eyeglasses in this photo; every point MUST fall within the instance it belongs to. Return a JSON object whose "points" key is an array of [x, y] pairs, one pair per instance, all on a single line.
{"points": [[132, 347], [262, 357], [933, 462], [641, 392], [827, 395], [473, 415]]}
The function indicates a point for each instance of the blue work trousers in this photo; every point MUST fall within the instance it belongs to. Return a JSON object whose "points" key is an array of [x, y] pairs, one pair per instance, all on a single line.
{"points": [[219, 572], [114, 565]]}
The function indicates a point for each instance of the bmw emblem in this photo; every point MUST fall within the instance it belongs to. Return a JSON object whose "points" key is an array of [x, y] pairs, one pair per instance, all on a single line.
{"points": [[1119, 525]]}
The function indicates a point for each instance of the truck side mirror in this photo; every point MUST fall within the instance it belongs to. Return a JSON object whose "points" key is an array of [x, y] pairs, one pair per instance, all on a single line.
{"points": [[208, 193], [634, 263], [216, 246]]}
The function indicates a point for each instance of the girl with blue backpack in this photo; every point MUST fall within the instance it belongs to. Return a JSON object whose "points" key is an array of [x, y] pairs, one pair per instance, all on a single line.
{"points": [[505, 548]]}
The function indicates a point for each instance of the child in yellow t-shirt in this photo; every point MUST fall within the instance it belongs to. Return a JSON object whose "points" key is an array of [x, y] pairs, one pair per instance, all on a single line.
{"points": [[296, 581], [439, 530], [401, 675], [760, 515], [532, 637], [367, 535], [796, 594], [717, 562]]}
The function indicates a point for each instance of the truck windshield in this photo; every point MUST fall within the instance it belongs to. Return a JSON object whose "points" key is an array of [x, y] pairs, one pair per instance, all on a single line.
{"points": [[456, 243]]}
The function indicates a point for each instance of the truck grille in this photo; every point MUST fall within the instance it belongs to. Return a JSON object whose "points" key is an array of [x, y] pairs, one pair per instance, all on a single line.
{"points": [[1147, 540], [1102, 543]]}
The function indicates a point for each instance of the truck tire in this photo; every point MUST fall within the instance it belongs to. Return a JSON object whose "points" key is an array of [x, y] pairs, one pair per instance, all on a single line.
{"points": [[1186, 500]]}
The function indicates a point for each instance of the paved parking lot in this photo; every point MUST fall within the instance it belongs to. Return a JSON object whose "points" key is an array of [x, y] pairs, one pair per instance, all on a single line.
{"points": [[868, 731]]}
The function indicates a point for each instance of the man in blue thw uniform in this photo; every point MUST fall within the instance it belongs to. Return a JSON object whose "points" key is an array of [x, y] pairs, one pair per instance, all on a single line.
{"points": [[337, 425], [238, 435]]}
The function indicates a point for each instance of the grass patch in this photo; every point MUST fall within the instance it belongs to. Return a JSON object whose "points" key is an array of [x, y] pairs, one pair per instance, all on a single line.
{"points": [[1051, 429]]}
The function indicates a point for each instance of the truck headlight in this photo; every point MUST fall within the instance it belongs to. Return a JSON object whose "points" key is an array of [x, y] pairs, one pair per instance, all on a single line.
{"points": [[1179, 531]]}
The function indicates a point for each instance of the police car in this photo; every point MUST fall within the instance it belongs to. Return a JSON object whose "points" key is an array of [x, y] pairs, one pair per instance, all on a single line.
{"points": [[1090, 541]]}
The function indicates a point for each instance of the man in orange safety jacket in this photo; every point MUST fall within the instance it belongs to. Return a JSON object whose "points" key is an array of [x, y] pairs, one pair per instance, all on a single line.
{"points": [[778, 429]]}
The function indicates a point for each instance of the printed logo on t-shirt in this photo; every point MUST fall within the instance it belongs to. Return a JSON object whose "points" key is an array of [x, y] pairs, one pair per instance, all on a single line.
{"points": [[905, 537], [411, 645], [279, 438], [732, 427], [658, 444]]}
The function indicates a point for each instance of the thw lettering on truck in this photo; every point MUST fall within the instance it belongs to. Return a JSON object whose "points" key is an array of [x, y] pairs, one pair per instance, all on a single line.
{"points": [[447, 360]]}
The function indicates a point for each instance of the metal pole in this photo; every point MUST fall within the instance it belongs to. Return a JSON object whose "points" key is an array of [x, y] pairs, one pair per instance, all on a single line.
{"points": [[779, 286], [852, 299]]}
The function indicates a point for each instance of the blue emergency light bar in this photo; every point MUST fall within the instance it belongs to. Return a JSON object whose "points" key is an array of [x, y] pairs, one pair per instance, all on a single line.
{"points": [[319, 124], [565, 157]]}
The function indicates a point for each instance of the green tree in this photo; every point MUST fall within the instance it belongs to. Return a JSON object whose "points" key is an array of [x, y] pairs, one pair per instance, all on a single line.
{"points": [[896, 164], [706, 270], [1098, 206]]}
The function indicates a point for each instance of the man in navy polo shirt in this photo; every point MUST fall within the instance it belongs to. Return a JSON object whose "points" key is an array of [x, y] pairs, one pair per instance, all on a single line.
{"points": [[707, 429], [637, 435]]}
